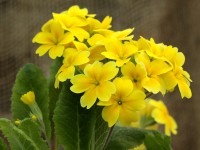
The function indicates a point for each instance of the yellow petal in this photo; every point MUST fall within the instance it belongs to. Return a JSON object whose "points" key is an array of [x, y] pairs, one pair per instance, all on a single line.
{"points": [[67, 38], [179, 59], [81, 58], [89, 98], [124, 87], [135, 101], [159, 116], [151, 85], [105, 90], [56, 51], [95, 53], [170, 126], [111, 114], [105, 103], [158, 67], [43, 49], [184, 89], [66, 73], [127, 116], [108, 71], [170, 80], [121, 62], [44, 38], [81, 83], [93, 70], [110, 55], [56, 30], [80, 46], [106, 22], [80, 33], [96, 39]]}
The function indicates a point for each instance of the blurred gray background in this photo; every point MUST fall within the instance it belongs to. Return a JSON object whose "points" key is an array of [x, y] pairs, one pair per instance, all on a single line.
{"points": [[174, 22]]}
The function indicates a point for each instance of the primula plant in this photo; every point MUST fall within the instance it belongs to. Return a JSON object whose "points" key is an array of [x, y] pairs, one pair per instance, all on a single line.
{"points": [[98, 95]]}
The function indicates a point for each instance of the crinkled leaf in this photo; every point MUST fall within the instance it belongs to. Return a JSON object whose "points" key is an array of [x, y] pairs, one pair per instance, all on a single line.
{"points": [[124, 138], [3, 145], [156, 140], [101, 130], [17, 138], [53, 92], [74, 125], [31, 78], [33, 131]]}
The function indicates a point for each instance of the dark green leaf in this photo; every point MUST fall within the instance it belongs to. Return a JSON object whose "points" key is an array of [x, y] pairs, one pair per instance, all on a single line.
{"points": [[155, 140], [32, 130], [146, 121], [74, 125], [124, 138], [53, 92], [17, 138], [101, 130], [3, 145], [31, 78]]}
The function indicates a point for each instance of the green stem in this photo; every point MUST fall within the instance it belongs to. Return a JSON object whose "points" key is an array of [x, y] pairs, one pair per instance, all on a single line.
{"points": [[108, 137]]}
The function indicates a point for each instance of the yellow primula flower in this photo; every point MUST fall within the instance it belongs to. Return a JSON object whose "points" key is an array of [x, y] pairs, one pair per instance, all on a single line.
{"points": [[118, 51], [124, 103], [136, 73], [72, 57], [73, 24], [95, 82], [28, 98], [162, 116], [96, 25], [178, 76], [53, 39], [155, 67], [76, 11]]}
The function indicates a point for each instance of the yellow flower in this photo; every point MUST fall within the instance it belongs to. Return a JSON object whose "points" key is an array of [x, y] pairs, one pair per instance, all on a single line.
{"points": [[95, 25], [124, 103], [77, 11], [118, 51], [95, 83], [136, 73], [156, 67], [53, 39], [28, 98], [73, 24], [178, 76], [72, 57], [161, 115]]}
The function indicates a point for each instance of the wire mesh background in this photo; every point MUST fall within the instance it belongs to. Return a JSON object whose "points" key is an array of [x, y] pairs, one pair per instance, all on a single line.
{"points": [[173, 22]]}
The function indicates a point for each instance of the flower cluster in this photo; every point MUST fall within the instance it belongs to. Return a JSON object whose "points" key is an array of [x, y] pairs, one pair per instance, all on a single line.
{"points": [[109, 67]]}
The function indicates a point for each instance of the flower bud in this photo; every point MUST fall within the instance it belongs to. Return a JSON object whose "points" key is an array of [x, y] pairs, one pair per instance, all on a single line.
{"points": [[28, 98]]}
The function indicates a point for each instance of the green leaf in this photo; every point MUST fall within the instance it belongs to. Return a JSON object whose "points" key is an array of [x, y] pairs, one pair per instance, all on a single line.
{"points": [[53, 92], [146, 121], [74, 125], [31, 78], [3, 145], [124, 138], [17, 138], [33, 131], [156, 140], [101, 130]]}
